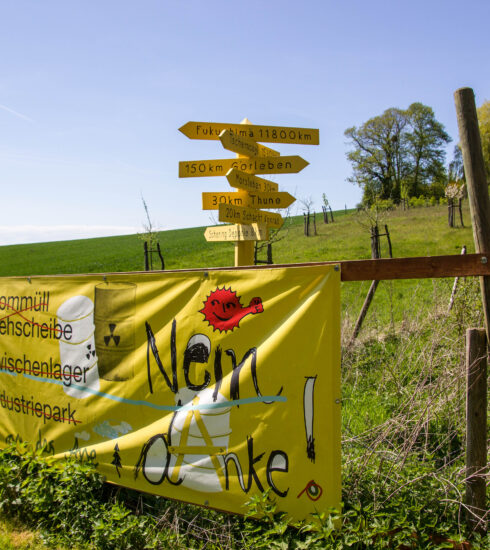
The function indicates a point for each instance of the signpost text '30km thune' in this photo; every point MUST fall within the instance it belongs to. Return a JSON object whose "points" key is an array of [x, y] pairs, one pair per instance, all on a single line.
{"points": [[255, 195]]}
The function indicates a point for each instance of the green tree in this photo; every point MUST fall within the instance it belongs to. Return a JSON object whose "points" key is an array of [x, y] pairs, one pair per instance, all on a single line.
{"points": [[456, 167], [397, 154], [484, 123], [425, 140], [378, 165]]}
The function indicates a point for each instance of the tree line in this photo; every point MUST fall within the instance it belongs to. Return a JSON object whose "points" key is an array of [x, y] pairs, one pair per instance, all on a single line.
{"points": [[400, 154]]}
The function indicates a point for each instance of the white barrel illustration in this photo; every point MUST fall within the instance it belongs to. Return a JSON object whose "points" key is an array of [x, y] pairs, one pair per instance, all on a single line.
{"points": [[78, 356], [203, 427]]}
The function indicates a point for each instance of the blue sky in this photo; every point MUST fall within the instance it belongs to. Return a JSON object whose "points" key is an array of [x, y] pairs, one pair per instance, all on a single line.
{"points": [[92, 94]]}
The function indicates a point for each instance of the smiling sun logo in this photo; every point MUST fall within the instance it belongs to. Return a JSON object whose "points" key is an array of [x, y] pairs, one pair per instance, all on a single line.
{"points": [[223, 310]]}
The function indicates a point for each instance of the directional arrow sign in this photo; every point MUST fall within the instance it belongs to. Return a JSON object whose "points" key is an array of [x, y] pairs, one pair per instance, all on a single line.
{"points": [[245, 146], [212, 201], [248, 182], [280, 199], [255, 165], [254, 232], [268, 134], [241, 214]]}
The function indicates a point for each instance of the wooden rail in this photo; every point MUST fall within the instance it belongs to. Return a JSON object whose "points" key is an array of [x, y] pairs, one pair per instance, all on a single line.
{"points": [[425, 267]]}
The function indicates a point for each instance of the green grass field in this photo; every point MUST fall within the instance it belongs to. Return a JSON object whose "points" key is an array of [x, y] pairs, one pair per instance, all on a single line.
{"points": [[416, 232]]}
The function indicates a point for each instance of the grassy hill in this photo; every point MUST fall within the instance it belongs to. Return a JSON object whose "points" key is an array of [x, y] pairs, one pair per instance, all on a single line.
{"points": [[416, 232]]}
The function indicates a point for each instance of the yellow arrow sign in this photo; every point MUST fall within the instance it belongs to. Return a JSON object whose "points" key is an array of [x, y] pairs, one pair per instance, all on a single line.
{"points": [[254, 232], [268, 134], [255, 165], [282, 199], [211, 201], [241, 214], [248, 182], [245, 146]]}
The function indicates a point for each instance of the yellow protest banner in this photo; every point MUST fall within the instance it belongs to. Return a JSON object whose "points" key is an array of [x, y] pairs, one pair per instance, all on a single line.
{"points": [[206, 386]]}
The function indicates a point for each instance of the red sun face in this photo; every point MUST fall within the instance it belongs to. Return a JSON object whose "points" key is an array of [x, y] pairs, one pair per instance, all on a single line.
{"points": [[223, 310]]}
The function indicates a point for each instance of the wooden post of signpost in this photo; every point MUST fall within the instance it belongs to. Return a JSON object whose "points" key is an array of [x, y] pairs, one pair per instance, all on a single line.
{"points": [[474, 168], [244, 250]]}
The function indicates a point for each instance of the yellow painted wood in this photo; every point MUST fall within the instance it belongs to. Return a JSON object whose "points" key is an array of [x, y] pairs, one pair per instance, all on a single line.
{"points": [[267, 134], [249, 182], [212, 200], [244, 253], [254, 165], [241, 214], [238, 232], [245, 146]]}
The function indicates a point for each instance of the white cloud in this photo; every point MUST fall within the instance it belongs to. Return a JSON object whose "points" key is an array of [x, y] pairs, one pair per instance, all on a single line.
{"points": [[19, 234], [15, 113]]}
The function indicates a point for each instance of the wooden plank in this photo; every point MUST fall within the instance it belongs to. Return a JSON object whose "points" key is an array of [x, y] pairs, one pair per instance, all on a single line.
{"points": [[254, 165], [268, 134], [427, 267], [474, 169], [476, 428], [245, 146]]}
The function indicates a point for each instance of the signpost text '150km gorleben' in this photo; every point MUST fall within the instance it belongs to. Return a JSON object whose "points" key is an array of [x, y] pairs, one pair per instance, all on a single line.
{"points": [[253, 165]]}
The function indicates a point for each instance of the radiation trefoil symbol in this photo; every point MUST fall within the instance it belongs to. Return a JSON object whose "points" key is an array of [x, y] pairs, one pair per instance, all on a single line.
{"points": [[223, 310]]}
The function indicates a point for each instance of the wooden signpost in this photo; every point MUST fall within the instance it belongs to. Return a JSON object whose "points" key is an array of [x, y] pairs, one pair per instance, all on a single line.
{"points": [[244, 145], [251, 165], [267, 134], [241, 214], [274, 199], [245, 207], [238, 232], [249, 182]]}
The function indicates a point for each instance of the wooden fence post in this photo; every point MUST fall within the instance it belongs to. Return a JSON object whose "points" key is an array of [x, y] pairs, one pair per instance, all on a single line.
{"points": [[450, 215], [161, 257], [375, 254], [390, 250], [147, 266], [474, 168], [455, 286], [269, 253], [476, 429], [460, 208]]}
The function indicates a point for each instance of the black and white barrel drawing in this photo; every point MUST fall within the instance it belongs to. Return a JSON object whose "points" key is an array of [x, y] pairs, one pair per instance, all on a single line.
{"points": [[78, 356]]}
